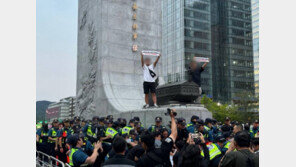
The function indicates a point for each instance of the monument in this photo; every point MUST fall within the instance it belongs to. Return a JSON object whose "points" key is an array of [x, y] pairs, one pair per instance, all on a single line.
{"points": [[111, 35]]}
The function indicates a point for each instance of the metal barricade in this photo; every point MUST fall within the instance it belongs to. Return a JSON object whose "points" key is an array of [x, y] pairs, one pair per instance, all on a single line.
{"points": [[44, 160]]}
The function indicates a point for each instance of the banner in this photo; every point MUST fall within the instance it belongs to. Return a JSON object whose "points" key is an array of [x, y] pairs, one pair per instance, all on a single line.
{"points": [[150, 53], [201, 59]]}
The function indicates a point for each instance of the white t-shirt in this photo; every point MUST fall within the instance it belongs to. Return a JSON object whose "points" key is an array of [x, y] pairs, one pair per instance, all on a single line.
{"points": [[146, 73]]}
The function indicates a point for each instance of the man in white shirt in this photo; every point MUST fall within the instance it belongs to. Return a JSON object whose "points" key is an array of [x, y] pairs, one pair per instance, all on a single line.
{"points": [[149, 79]]}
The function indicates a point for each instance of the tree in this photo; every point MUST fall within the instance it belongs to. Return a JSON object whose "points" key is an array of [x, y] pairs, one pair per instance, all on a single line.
{"points": [[242, 110]]}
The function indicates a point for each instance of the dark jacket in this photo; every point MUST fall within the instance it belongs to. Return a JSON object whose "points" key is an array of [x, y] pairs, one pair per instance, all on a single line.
{"points": [[241, 158], [119, 160]]}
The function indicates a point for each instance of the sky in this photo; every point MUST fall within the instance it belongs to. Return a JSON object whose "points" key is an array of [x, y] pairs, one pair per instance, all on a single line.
{"points": [[56, 49]]}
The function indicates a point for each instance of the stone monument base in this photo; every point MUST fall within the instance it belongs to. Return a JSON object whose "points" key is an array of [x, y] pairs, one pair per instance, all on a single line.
{"points": [[147, 116]]}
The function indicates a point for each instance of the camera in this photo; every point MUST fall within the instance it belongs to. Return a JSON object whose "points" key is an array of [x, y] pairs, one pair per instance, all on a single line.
{"points": [[196, 138], [169, 112]]}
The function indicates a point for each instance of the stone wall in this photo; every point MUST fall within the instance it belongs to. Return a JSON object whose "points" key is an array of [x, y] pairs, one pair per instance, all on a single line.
{"points": [[109, 73]]}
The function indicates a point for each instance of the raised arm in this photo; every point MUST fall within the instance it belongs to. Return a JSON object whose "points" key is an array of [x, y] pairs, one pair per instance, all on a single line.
{"points": [[174, 132], [91, 159], [204, 65], [142, 59], [156, 61]]}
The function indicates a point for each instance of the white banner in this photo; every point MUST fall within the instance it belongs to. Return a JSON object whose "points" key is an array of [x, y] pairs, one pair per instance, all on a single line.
{"points": [[201, 59], [150, 53]]}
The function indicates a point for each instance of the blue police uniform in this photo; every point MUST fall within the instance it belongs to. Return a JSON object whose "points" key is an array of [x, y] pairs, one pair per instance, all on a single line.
{"points": [[191, 127]]}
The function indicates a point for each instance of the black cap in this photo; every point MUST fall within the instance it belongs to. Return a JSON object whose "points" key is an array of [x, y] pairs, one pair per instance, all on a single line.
{"points": [[256, 121], [131, 121], [214, 121], [200, 122], [66, 120], [208, 120], [158, 119], [137, 119], [95, 118], [194, 117], [102, 119], [227, 119], [55, 121], [109, 116], [181, 121]]}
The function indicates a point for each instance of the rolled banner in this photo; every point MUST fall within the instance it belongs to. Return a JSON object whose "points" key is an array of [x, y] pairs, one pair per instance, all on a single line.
{"points": [[202, 59], [150, 53]]}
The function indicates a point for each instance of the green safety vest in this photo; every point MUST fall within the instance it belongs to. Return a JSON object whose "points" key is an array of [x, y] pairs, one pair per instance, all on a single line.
{"points": [[190, 124], [227, 144], [73, 150], [126, 130], [90, 133], [111, 131], [53, 135], [254, 134], [207, 128], [43, 135], [213, 151]]}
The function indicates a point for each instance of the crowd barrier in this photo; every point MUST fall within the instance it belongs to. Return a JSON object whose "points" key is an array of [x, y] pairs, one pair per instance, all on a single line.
{"points": [[45, 160]]}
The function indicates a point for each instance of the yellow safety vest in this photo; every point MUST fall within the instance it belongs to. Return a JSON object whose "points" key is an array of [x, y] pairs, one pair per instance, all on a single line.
{"points": [[213, 151], [111, 131], [126, 130], [53, 135], [190, 124], [227, 145], [73, 150], [207, 128], [42, 134]]}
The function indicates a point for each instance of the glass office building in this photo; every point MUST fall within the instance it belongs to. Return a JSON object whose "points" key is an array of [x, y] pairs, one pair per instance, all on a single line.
{"points": [[255, 25], [185, 34], [218, 29], [232, 48]]}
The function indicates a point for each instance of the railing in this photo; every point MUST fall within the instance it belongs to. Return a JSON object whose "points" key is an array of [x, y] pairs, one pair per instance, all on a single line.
{"points": [[44, 160]]}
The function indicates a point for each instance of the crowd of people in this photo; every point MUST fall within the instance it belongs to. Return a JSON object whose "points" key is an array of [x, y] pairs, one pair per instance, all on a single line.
{"points": [[106, 142]]}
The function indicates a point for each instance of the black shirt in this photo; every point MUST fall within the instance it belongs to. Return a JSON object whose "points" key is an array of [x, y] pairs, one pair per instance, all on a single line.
{"points": [[119, 160], [196, 75], [158, 156]]}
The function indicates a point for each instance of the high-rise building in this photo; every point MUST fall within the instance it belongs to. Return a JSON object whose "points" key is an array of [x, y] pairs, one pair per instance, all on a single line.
{"points": [[255, 25], [232, 48], [186, 32], [218, 29]]}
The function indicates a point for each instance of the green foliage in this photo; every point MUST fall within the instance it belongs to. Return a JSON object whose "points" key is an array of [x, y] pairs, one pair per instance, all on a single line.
{"points": [[242, 111]]}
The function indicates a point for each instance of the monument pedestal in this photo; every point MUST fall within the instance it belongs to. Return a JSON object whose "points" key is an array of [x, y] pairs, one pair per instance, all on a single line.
{"points": [[147, 116]]}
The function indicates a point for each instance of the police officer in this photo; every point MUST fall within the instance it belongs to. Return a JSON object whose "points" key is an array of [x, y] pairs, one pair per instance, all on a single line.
{"points": [[158, 125], [90, 130], [181, 129], [191, 126], [200, 129], [77, 156], [254, 131], [63, 134], [110, 132], [209, 127], [42, 138], [215, 151], [52, 138], [128, 128], [226, 127]]}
